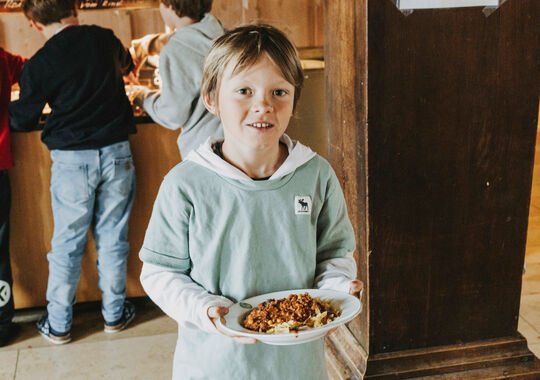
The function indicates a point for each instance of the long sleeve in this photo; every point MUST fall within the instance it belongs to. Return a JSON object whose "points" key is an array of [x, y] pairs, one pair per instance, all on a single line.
{"points": [[180, 297], [124, 58], [181, 71], [336, 267], [15, 66], [24, 113], [151, 44], [165, 253]]}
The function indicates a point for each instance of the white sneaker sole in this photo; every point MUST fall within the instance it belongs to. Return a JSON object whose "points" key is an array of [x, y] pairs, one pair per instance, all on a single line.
{"points": [[112, 330], [55, 341]]}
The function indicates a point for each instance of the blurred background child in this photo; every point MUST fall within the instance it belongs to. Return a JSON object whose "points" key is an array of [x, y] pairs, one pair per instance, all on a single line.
{"points": [[78, 72], [178, 103]]}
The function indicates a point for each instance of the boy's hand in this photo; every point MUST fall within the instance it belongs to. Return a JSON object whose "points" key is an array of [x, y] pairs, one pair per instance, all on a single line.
{"points": [[131, 78], [356, 288], [215, 313]]}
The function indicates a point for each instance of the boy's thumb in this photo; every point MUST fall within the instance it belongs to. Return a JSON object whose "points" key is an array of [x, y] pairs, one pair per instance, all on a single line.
{"points": [[217, 311]]}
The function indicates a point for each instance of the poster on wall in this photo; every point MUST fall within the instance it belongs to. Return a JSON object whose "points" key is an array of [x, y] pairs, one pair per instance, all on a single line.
{"points": [[432, 4]]}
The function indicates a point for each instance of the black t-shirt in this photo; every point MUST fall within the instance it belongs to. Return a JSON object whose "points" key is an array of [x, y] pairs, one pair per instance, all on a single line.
{"points": [[78, 72]]}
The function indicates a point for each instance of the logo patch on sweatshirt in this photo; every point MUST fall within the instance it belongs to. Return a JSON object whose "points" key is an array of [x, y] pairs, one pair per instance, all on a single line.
{"points": [[302, 205]]}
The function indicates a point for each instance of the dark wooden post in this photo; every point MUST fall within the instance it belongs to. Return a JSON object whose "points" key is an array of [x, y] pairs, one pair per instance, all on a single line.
{"points": [[432, 123]]}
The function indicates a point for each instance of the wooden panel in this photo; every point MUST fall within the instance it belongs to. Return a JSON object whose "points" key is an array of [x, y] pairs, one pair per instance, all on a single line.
{"points": [[346, 120], [453, 105], [231, 12], [345, 53], [301, 20], [154, 151], [308, 123], [533, 232], [488, 359], [145, 21], [17, 36], [118, 20]]}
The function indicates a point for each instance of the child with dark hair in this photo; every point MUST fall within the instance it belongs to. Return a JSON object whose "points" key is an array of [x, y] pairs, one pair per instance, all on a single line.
{"points": [[79, 73], [178, 103], [10, 70], [252, 213]]}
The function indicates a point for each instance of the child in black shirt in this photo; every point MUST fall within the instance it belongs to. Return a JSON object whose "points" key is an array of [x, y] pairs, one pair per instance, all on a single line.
{"points": [[78, 72]]}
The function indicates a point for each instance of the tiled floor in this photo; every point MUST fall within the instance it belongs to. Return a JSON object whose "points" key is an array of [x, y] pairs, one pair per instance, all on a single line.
{"points": [[143, 351]]}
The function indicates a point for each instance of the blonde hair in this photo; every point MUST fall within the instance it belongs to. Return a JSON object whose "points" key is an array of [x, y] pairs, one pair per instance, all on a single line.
{"points": [[245, 45]]}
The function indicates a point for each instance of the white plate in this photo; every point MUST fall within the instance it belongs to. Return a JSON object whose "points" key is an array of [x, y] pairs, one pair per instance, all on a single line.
{"points": [[350, 307]]}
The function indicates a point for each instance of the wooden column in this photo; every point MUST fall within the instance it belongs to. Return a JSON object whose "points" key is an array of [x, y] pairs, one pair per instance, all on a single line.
{"points": [[432, 121], [345, 55]]}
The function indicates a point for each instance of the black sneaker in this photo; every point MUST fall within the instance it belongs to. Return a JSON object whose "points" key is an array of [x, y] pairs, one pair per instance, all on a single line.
{"points": [[127, 316], [8, 332], [48, 333]]}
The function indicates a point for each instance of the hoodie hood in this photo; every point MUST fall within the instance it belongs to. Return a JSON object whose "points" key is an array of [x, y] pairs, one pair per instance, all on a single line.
{"points": [[209, 27], [204, 155]]}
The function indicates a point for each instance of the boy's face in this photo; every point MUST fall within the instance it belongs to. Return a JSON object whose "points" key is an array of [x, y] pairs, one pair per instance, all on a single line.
{"points": [[255, 104]]}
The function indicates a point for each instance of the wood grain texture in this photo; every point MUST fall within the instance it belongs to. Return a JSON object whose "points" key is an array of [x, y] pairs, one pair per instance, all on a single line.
{"points": [[118, 20], [154, 152], [488, 359], [345, 53], [16, 35], [453, 106], [301, 20], [145, 21]]}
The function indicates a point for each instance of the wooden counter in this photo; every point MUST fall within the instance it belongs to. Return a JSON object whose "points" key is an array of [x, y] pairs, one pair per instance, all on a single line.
{"points": [[154, 152]]}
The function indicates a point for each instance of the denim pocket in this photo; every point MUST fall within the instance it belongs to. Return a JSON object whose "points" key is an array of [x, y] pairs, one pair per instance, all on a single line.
{"points": [[70, 182], [123, 175]]}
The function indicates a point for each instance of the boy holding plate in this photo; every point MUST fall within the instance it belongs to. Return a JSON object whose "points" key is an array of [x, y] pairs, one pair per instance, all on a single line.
{"points": [[249, 214]]}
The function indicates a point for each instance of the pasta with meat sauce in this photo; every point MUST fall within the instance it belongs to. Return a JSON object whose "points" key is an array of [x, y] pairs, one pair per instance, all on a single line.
{"points": [[290, 314]]}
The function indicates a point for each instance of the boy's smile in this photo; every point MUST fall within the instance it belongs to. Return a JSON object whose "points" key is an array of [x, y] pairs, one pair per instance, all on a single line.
{"points": [[255, 105]]}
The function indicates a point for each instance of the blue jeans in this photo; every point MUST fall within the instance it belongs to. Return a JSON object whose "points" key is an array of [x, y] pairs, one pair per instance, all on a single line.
{"points": [[95, 188]]}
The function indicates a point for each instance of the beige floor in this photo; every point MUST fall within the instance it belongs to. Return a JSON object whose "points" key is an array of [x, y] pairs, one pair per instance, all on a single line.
{"points": [[143, 351]]}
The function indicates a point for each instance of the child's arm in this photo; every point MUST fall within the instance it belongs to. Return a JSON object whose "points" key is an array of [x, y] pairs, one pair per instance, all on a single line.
{"points": [[124, 57], [180, 297], [15, 65], [180, 72], [150, 44], [166, 257], [24, 113], [336, 267]]}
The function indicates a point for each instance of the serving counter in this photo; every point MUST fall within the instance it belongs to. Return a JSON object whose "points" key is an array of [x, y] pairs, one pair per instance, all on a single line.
{"points": [[154, 153]]}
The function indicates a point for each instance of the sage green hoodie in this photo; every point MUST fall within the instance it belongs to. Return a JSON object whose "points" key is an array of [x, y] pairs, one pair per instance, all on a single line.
{"points": [[216, 237]]}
